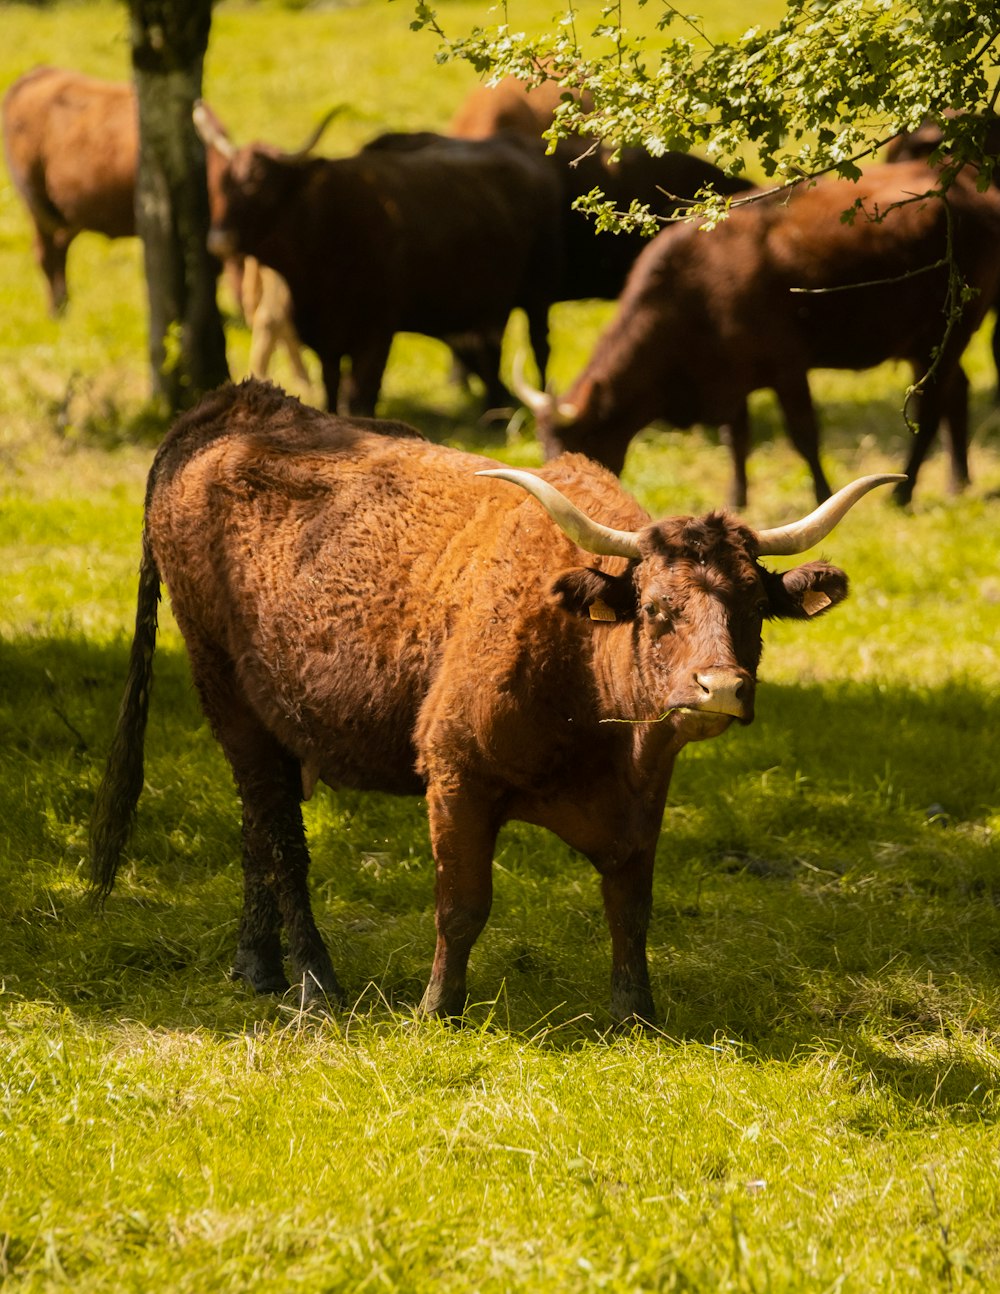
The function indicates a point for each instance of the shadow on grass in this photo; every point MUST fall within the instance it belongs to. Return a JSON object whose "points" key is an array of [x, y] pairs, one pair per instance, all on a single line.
{"points": [[803, 891]]}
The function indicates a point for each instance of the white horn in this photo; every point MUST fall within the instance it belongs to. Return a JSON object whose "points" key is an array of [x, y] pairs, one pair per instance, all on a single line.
{"points": [[211, 133], [539, 402], [590, 535], [797, 536]]}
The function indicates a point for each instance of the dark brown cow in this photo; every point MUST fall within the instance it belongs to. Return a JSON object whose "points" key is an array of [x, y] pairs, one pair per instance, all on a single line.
{"points": [[363, 607], [597, 264], [779, 288], [594, 265], [444, 242], [72, 144]]}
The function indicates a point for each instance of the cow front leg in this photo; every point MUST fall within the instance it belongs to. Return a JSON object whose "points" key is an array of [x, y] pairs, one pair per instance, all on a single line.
{"points": [[463, 835], [627, 889]]}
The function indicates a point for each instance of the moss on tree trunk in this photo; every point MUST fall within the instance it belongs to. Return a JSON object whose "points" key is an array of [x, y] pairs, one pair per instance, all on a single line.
{"points": [[186, 342]]}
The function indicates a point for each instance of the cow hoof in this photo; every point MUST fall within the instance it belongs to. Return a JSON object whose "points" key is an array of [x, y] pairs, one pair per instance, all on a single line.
{"points": [[632, 1006], [320, 996], [443, 1003], [259, 972]]}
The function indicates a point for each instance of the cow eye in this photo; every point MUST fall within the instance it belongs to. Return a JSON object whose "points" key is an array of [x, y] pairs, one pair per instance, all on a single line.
{"points": [[650, 609]]}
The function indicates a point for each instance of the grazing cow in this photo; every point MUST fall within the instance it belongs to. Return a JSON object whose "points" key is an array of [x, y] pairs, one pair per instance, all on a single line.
{"points": [[367, 608], [779, 288], [72, 145], [438, 241], [267, 308]]}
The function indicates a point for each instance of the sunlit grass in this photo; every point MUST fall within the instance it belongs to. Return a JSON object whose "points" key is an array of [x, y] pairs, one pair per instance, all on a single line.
{"points": [[819, 1109]]}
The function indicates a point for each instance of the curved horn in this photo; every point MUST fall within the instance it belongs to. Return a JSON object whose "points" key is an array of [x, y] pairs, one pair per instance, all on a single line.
{"points": [[797, 536], [559, 413], [314, 135], [590, 535], [210, 131], [539, 402]]}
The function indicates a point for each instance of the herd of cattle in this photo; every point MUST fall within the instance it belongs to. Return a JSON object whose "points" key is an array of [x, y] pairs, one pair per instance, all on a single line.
{"points": [[446, 234], [368, 609]]}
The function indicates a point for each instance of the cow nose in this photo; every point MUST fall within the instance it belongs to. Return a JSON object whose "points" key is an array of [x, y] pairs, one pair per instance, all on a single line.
{"points": [[221, 243], [725, 691]]}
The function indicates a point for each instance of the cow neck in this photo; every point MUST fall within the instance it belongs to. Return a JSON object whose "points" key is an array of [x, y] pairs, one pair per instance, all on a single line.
{"points": [[626, 700]]}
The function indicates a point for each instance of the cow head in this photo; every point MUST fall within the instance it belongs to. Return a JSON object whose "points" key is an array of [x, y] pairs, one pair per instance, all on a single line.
{"points": [[252, 184], [696, 597], [599, 420]]}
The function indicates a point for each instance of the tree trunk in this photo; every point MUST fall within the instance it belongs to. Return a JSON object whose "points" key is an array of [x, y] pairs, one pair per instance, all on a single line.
{"points": [[187, 346]]}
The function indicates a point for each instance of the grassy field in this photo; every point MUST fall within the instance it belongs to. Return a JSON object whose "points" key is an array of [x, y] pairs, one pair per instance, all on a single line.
{"points": [[819, 1111]]}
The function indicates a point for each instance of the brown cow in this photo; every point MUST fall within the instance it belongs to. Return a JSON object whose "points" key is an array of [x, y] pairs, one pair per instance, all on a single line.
{"points": [[779, 288], [443, 241], [72, 145], [929, 141], [365, 607]]}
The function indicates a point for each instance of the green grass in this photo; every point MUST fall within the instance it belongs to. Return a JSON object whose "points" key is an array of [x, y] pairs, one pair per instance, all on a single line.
{"points": [[818, 1112]]}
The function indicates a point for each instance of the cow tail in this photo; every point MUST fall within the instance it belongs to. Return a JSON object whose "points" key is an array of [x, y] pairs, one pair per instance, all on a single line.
{"points": [[114, 809]]}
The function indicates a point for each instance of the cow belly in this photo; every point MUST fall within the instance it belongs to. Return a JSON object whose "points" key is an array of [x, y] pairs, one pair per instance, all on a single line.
{"points": [[350, 729]]}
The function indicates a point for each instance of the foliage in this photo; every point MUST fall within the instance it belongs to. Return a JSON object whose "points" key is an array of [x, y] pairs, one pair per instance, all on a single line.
{"points": [[818, 90]]}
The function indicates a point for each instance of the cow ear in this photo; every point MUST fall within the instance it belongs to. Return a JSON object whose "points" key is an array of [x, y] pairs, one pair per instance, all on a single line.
{"points": [[806, 591], [584, 591]]}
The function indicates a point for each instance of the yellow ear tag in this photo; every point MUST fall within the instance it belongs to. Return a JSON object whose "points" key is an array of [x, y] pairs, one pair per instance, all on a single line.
{"points": [[813, 602], [599, 610]]}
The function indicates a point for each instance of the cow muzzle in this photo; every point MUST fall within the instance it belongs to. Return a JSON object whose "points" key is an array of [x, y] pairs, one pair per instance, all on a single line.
{"points": [[710, 702], [222, 243], [724, 691]]}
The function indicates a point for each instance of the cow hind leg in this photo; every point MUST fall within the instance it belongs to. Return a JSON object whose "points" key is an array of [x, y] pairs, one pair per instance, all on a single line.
{"points": [[936, 399], [957, 429], [996, 351], [803, 427], [51, 246], [276, 867], [463, 835], [275, 855]]}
